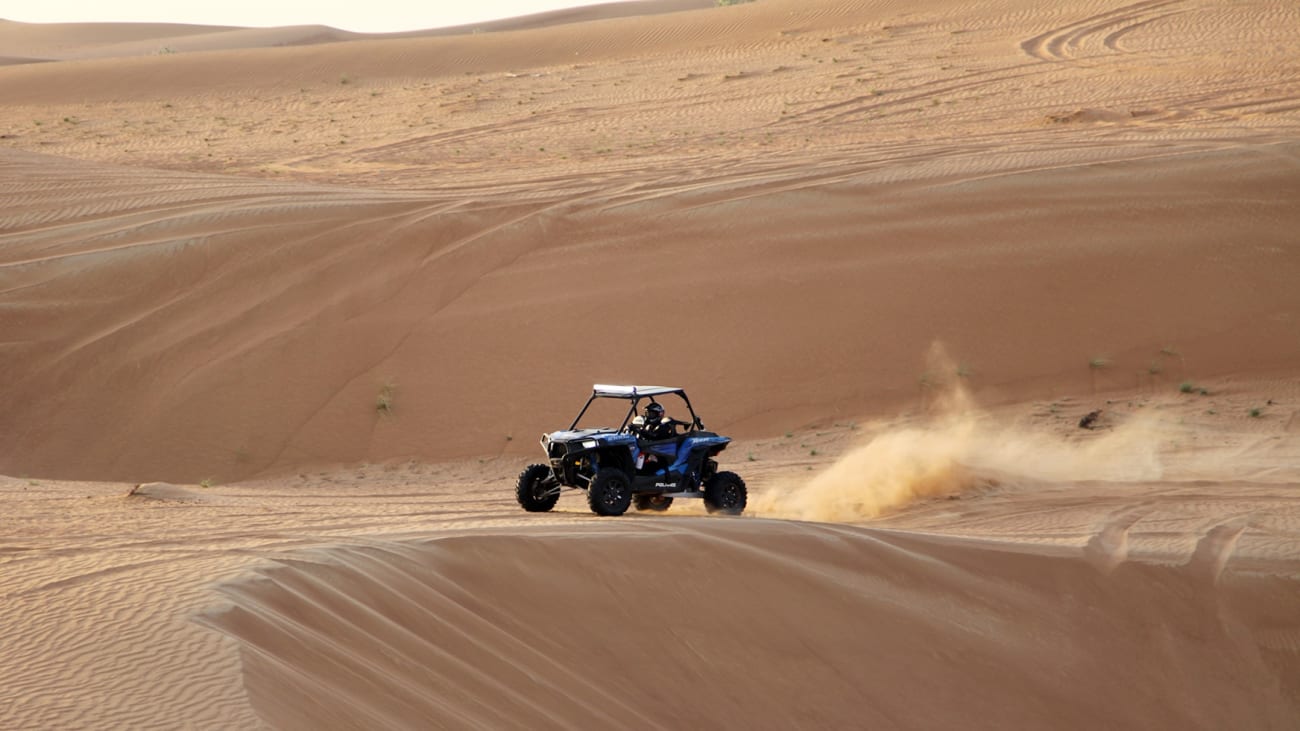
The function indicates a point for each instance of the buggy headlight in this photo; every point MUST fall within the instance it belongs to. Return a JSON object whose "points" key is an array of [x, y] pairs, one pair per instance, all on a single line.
{"points": [[589, 444]]}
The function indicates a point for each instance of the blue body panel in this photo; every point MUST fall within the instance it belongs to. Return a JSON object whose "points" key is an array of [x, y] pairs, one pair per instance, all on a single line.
{"points": [[691, 444]]}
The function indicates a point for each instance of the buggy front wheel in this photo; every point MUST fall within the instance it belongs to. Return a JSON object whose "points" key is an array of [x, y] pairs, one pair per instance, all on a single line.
{"points": [[610, 492], [537, 490]]}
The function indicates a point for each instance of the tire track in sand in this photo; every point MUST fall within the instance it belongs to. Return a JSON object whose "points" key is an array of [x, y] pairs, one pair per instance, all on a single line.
{"points": [[1066, 42]]}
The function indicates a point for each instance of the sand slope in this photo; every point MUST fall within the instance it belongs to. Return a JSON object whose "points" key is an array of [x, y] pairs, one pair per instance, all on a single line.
{"points": [[759, 625], [280, 312], [416, 596], [1039, 189], [278, 251]]}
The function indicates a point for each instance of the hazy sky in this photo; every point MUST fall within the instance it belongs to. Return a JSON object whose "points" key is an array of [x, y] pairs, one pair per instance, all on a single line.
{"points": [[369, 16]]}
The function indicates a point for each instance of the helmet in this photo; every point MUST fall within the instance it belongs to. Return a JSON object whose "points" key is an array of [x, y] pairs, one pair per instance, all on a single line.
{"points": [[654, 413]]}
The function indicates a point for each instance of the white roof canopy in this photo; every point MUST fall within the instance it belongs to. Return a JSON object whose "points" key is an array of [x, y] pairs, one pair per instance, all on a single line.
{"points": [[604, 389]]}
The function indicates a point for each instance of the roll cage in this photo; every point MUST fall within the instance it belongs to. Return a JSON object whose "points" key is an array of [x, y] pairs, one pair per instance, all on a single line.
{"points": [[635, 395]]}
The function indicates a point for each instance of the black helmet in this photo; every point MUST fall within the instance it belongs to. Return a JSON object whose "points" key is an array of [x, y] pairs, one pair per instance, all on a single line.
{"points": [[654, 413]]}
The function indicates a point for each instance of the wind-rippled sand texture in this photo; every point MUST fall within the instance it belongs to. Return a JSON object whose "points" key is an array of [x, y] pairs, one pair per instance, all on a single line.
{"points": [[330, 287]]}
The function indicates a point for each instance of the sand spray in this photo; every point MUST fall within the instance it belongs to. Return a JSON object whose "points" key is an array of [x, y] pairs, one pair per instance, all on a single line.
{"points": [[957, 448]]}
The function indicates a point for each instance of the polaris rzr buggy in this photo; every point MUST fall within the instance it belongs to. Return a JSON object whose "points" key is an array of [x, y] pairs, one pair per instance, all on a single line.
{"points": [[629, 464]]}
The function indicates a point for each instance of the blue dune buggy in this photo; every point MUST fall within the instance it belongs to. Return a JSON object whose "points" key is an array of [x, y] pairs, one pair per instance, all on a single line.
{"points": [[634, 463]]}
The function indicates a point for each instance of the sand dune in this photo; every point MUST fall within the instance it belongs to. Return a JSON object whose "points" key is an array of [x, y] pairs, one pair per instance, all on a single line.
{"points": [[1039, 189], [413, 595], [82, 41], [581, 14], [284, 362], [506, 630], [62, 41], [329, 288]]}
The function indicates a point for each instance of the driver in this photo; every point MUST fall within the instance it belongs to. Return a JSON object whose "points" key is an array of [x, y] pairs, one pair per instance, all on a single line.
{"points": [[657, 426]]}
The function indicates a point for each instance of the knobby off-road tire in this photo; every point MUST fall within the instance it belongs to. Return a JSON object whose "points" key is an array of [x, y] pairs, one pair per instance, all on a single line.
{"points": [[610, 492], [533, 491], [725, 493], [657, 503]]}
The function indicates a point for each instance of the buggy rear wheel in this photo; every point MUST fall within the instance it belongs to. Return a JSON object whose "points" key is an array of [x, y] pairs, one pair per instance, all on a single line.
{"points": [[657, 503], [537, 490], [725, 493], [610, 492]]}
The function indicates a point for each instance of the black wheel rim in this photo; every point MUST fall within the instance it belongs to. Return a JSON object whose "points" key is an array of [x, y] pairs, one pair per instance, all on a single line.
{"points": [[730, 496], [615, 492]]}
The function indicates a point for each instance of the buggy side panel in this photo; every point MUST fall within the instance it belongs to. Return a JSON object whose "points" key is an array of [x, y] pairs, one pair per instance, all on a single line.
{"points": [[695, 448]]}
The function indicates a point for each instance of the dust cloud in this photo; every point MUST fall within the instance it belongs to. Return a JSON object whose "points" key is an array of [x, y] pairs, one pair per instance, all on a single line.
{"points": [[958, 448]]}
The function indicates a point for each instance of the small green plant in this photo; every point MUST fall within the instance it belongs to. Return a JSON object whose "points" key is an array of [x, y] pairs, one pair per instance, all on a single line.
{"points": [[752, 458], [812, 453], [384, 401], [789, 434], [207, 482], [1187, 387], [1256, 412]]}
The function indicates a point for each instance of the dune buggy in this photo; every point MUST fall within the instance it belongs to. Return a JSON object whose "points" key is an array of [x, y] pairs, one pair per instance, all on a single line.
{"points": [[629, 464]]}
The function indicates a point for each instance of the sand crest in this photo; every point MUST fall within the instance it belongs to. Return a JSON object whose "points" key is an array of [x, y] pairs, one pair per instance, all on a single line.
{"points": [[327, 288]]}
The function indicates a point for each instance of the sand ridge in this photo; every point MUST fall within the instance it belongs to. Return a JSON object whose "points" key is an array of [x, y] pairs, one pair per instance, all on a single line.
{"points": [[319, 293], [744, 643]]}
